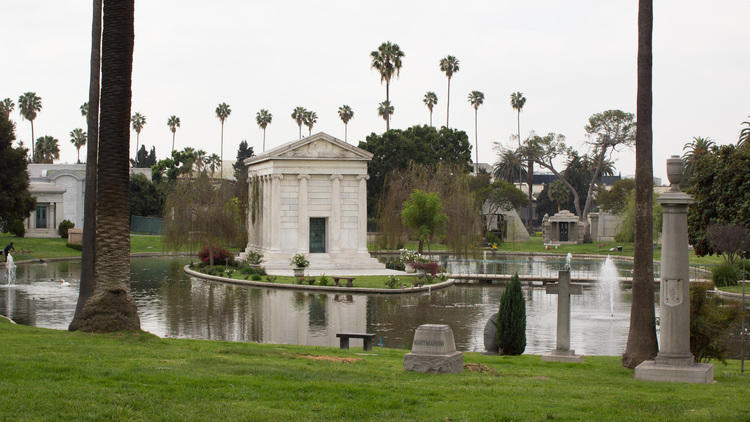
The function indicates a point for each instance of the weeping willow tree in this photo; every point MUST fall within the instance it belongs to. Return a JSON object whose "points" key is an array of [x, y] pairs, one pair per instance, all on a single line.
{"points": [[451, 183], [202, 212]]}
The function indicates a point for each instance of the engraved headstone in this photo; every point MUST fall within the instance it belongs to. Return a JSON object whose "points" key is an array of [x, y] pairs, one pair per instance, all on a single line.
{"points": [[434, 350], [674, 362]]}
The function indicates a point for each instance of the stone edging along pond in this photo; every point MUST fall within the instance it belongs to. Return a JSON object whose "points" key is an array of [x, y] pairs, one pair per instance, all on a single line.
{"points": [[362, 290]]}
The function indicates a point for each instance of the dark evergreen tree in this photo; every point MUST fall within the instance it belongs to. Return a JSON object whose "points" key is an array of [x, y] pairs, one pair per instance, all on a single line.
{"points": [[395, 149], [511, 325], [145, 198], [15, 200], [144, 159], [241, 186]]}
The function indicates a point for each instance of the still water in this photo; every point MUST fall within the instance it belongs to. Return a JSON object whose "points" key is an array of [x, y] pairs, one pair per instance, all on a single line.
{"points": [[171, 304]]}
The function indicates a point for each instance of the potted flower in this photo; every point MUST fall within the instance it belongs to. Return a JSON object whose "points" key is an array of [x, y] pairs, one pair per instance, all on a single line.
{"points": [[299, 263], [409, 258]]}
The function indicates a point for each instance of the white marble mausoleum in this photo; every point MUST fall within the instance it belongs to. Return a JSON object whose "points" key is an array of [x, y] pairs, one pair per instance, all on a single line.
{"points": [[310, 196]]}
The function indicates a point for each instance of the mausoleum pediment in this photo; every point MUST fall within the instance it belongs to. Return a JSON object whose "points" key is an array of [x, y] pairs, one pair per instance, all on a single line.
{"points": [[319, 146]]}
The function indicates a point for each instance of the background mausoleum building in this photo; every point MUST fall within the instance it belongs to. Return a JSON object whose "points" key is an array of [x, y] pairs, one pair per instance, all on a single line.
{"points": [[310, 196]]}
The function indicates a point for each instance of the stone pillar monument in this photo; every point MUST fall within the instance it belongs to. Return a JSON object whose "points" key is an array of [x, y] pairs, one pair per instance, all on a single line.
{"points": [[674, 362], [562, 352]]}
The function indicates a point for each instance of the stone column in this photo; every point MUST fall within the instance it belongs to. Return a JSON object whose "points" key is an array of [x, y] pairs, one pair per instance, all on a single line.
{"points": [[362, 214], [303, 218], [264, 240], [251, 238], [674, 362], [594, 217], [335, 229], [275, 217]]}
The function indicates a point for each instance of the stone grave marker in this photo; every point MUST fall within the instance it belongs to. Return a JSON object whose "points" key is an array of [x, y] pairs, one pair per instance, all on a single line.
{"points": [[562, 352], [434, 350]]}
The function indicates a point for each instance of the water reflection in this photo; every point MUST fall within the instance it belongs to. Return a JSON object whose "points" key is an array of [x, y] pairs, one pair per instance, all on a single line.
{"points": [[175, 305]]}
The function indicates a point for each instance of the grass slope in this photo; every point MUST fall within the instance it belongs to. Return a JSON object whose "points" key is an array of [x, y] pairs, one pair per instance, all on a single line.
{"points": [[38, 248], [56, 375]]}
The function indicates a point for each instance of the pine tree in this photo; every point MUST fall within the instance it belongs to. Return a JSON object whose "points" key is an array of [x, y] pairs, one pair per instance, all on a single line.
{"points": [[511, 325]]}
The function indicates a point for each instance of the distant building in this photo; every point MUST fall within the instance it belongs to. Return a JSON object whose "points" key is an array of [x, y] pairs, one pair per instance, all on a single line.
{"points": [[59, 190]]}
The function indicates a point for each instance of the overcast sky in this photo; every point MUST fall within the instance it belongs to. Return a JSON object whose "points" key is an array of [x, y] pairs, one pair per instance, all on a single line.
{"points": [[569, 58]]}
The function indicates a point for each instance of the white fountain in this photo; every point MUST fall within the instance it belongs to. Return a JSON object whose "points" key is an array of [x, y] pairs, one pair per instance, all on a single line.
{"points": [[11, 267], [608, 285], [568, 258]]}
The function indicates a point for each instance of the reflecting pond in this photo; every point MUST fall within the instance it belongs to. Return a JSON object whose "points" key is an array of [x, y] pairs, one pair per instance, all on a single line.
{"points": [[172, 304]]}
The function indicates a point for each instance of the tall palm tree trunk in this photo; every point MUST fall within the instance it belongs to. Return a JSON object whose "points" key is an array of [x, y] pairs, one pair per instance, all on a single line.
{"points": [[476, 144], [448, 105], [221, 153], [346, 135], [642, 344], [430, 117], [86, 285], [173, 141], [111, 307], [388, 99], [33, 153], [300, 131], [529, 182], [264, 139], [137, 142]]}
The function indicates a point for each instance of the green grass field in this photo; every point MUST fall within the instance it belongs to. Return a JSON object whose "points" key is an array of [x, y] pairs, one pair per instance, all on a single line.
{"points": [[57, 375], [536, 244], [37, 248]]}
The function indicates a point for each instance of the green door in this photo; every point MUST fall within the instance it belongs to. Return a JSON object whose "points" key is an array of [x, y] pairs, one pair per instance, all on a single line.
{"points": [[317, 235]]}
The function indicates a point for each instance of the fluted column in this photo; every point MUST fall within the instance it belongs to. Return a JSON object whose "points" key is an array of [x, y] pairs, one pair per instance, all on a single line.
{"points": [[264, 228], [336, 212], [276, 212], [362, 214], [251, 238], [303, 219]]}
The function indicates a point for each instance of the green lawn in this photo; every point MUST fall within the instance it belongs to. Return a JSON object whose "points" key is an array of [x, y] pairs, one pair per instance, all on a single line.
{"points": [[536, 244], [736, 289], [57, 375], [37, 248], [369, 281]]}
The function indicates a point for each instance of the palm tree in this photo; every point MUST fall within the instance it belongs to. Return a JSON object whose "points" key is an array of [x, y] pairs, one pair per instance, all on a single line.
{"points": [[298, 114], [476, 98], [430, 100], [173, 122], [47, 150], [509, 166], [345, 113], [263, 118], [642, 344], [222, 112], [139, 121], [558, 192], [517, 101], [385, 110], [387, 60], [213, 162], [84, 109], [448, 65], [693, 150], [29, 104], [78, 139], [744, 138], [88, 252], [199, 160], [7, 106], [309, 119]]}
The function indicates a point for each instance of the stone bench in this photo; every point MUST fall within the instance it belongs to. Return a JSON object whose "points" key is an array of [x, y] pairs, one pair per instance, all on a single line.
{"points": [[349, 281], [366, 339]]}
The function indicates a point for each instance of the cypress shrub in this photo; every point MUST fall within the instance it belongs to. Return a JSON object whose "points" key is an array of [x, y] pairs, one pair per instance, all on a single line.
{"points": [[511, 325]]}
